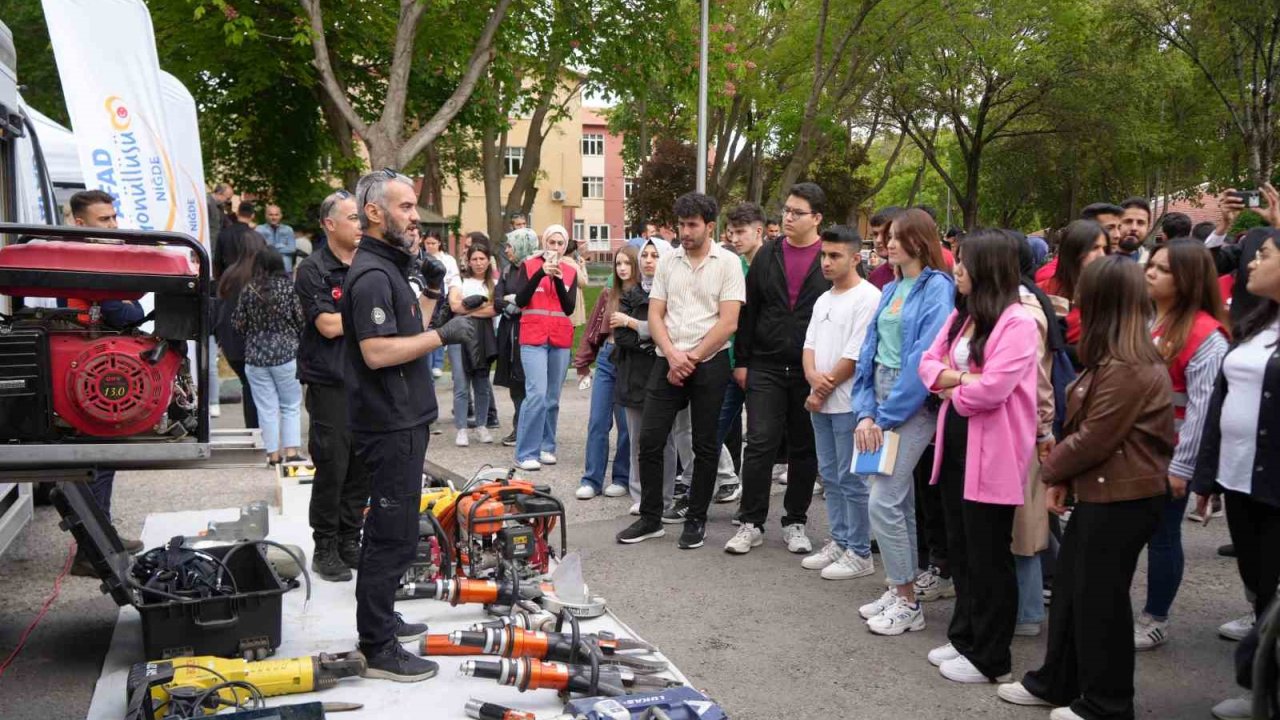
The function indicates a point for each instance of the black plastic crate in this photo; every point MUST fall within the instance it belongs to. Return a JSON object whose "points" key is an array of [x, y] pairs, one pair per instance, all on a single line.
{"points": [[244, 624]]}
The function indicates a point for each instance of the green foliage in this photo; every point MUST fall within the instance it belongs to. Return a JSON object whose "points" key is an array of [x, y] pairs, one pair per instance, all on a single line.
{"points": [[670, 172]]}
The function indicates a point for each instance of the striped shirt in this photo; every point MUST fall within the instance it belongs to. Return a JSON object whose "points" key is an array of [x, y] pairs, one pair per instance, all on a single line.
{"points": [[693, 295], [1202, 373]]}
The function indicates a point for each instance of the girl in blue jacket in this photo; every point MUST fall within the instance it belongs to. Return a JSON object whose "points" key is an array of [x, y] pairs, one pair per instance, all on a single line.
{"points": [[888, 395]]}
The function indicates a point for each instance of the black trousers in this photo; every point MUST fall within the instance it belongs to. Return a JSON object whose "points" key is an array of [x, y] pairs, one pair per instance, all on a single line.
{"points": [[703, 392], [517, 398], [394, 461], [340, 489], [931, 524], [978, 539], [775, 410], [247, 405], [1088, 663], [1255, 531]]}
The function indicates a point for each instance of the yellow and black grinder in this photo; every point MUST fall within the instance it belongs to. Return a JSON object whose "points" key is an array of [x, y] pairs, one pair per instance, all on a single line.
{"points": [[184, 687]]}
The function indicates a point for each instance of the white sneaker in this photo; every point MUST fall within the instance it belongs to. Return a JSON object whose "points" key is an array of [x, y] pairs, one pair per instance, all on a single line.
{"points": [[1064, 713], [461, 440], [930, 586], [780, 474], [939, 655], [879, 605], [615, 490], [547, 458], [585, 492], [435, 372], [1236, 708], [1015, 693], [849, 566], [1238, 628], [960, 669], [1149, 633], [529, 465], [215, 411], [635, 509], [1027, 629], [824, 557], [897, 619], [747, 537], [485, 435], [797, 541]]}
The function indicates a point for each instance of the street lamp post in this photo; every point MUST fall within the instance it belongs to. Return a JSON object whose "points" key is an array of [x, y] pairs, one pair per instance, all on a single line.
{"points": [[702, 102]]}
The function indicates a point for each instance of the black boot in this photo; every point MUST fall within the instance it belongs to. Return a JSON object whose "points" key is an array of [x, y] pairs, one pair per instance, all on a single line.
{"points": [[349, 551], [327, 564]]}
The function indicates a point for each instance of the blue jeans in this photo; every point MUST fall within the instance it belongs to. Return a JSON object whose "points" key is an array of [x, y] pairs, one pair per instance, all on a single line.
{"points": [[1030, 589], [436, 358], [847, 493], [278, 397], [544, 369], [1165, 560], [893, 501], [464, 384], [604, 415], [100, 487], [731, 411]]}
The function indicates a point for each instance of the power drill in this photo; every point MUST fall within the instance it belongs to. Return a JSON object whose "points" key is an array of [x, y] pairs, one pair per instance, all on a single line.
{"points": [[174, 688]]}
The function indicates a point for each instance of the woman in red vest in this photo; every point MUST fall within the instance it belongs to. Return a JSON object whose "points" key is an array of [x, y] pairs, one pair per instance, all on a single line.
{"points": [[1191, 333], [546, 301]]}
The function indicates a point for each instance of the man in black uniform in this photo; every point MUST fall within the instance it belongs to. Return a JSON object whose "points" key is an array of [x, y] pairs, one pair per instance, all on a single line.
{"points": [[341, 486], [390, 402]]}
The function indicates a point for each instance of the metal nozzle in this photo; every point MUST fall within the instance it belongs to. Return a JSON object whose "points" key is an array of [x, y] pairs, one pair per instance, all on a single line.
{"points": [[473, 708]]}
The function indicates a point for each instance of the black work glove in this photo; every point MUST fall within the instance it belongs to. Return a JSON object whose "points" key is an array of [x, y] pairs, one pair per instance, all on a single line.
{"points": [[433, 275], [471, 302], [458, 331]]}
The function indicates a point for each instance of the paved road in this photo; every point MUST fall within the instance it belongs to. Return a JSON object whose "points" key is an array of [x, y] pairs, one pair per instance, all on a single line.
{"points": [[765, 637]]}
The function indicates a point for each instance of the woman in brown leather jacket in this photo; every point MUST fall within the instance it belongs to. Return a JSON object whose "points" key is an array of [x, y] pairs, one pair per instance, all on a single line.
{"points": [[1114, 458]]}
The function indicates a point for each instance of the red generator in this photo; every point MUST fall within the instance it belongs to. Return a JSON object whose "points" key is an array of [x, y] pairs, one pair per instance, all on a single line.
{"points": [[67, 375]]}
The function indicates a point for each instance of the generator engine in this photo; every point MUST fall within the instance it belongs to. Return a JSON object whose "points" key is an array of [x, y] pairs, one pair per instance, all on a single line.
{"points": [[65, 374], [507, 520]]}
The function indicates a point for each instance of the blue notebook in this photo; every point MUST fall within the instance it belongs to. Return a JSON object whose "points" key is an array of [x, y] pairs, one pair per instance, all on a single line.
{"points": [[880, 462]]}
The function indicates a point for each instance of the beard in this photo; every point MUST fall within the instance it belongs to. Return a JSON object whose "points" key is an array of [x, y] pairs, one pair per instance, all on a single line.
{"points": [[1130, 243], [397, 237]]}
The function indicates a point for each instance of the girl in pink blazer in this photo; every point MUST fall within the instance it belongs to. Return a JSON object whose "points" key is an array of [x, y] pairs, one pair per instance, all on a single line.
{"points": [[983, 367]]}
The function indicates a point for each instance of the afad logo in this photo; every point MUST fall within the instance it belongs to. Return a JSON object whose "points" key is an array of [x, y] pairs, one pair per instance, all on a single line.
{"points": [[121, 119]]}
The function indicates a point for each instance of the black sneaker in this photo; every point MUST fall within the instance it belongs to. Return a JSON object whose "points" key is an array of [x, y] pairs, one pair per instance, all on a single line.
{"points": [[676, 512], [1228, 550], [641, 530], [407, 631], [695, 531], [400, 665], [875, 547], [509, 440], [327, 564], [728, 492], [349, 551]]}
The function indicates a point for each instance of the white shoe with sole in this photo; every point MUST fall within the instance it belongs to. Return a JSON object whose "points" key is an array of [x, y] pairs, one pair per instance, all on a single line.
{"points": [[824, 557], [879, 605], [939, 655], [849, 566], [547, 458], [897, 619], [1236, 708], [585, 492], [747, 537], [1064, 713], [930, 586], [615, 490], [1238, 628], [634, 509], [960, 669], [1149, 633], [461, 440], [797, 541], [529, 465], [485, 436], [1015, 693]]}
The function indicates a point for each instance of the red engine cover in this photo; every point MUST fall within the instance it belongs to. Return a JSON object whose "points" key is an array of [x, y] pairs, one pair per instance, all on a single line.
{"points": [[91, 258], [105, 388]]}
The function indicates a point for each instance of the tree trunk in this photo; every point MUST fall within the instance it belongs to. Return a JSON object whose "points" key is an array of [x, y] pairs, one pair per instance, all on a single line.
{"points": [[432, 180], [491, 151]]}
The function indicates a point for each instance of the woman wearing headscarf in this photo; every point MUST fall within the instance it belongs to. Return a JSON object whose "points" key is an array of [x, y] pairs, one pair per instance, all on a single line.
{"points": [[546, 296], [509, 373]]}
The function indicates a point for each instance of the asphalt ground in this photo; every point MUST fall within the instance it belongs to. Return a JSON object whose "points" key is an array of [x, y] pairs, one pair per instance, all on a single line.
{"points": [[761, 635]]}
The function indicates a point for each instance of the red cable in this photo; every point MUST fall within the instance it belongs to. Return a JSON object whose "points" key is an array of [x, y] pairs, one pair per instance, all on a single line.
{"points": [[44, 609]]}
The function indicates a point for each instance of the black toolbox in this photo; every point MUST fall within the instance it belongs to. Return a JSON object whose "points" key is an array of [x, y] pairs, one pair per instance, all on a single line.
{"points": [[243, 624]]}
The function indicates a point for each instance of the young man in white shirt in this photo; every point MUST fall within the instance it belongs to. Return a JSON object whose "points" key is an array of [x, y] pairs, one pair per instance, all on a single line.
{"points": [[831, 347]]}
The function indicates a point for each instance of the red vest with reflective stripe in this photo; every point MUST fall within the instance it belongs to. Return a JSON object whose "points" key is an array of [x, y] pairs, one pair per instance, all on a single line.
{"points": [[1201, 328], [543, 321]]}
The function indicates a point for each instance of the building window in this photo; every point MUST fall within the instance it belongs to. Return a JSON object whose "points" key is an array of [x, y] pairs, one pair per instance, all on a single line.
{"points": [[593, 144], [512, 161], [592, 187], [628, 187], [579, 231], [598, 238]]}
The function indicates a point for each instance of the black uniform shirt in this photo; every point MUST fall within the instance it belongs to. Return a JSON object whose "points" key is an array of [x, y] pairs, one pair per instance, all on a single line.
{"points": [[377, 301], [319, 286]]}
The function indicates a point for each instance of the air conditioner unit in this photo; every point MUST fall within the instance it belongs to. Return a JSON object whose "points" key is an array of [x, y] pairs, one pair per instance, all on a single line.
{"points": [[558, 195]]}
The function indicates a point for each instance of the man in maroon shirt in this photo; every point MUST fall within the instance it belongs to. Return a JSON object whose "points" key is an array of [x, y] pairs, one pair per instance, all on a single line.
{"points": [[784, 283]]}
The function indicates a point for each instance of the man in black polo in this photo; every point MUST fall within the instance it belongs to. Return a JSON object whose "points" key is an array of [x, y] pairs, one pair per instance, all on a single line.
{"points": [[390, 402], [341, 486], [784, 283]]}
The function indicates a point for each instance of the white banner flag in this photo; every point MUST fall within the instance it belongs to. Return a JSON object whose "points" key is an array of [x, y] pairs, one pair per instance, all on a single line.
{"points": [[183, 139], [106, 54]]}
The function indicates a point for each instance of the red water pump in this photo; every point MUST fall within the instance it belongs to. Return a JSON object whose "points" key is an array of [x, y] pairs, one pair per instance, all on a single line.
{"points": [[64, 373]]}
